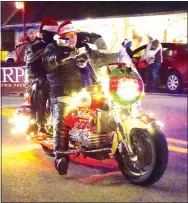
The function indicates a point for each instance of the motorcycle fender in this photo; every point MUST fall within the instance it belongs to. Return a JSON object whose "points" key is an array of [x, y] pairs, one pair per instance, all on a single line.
{"points": [[128, 125], [131, 123], [115, 142]]}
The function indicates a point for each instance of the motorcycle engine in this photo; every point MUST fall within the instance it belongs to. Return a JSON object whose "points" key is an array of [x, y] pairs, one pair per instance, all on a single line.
{"points": [[89, 139], [89, 133]]}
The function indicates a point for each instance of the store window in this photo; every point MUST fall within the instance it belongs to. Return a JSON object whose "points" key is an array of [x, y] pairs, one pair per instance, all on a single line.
{"points": [[7, 40]]}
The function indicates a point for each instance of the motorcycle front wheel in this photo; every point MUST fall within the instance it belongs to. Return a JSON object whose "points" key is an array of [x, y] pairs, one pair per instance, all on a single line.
{"points": [[151, 151]]}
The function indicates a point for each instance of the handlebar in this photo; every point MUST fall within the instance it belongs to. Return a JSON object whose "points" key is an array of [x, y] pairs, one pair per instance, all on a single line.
{"points": [[74, 56]]}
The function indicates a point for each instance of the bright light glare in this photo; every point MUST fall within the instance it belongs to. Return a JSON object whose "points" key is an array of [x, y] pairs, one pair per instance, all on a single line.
{"points": [[32, 121], [123, 117], [84, 90], [105, 81], [74, 94], [95, 89], [151, 115], [150, 129], [128, 90], [14, 131], [98, 96], [21, 123], [144, 118], [159, 123], [19, 5], [11, 120], [135, 123], [82, 99], [103, 70], [26, 94], [134, 111]]}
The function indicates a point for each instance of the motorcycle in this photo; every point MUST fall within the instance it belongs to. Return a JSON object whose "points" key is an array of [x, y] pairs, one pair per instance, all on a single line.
{"points": [[105, 122]]}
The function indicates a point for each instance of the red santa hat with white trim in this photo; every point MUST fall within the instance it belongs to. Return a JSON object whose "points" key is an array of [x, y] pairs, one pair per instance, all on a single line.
{"points": [[49, 25], [65, 27]]}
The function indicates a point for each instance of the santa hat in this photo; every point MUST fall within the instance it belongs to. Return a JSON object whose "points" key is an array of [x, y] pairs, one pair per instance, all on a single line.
{"points": [[65, 27], [48, 25]]}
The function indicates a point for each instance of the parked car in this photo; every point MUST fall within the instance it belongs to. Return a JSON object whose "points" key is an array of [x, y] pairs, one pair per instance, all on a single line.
{"points": [[174, 70]]}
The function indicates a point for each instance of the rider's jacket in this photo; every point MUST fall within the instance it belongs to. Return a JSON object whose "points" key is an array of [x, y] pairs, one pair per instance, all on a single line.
{"points": [[64, 78], [34, 65]]}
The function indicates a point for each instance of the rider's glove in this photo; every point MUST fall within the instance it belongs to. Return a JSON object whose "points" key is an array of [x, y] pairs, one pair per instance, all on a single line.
{"points": [[82, 60], [73, 54], [60, 57]]}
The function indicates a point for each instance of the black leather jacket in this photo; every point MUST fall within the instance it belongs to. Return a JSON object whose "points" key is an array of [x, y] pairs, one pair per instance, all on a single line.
{"points": [[34, 65], [63, 78]]}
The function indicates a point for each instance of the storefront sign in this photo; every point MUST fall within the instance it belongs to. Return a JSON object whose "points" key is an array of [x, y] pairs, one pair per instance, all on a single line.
{"points": [[13, 80]]}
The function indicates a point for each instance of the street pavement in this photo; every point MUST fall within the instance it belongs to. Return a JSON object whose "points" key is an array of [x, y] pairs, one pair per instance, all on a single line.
{"points": [[28, 174]]}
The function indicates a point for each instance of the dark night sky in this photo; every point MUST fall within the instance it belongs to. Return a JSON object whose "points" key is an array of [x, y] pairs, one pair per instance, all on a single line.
{"points": [[36, 10]]}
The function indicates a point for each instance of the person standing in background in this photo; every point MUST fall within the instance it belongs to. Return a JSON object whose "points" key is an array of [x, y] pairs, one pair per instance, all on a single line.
{"points": [[21, 49], [153, 57]]}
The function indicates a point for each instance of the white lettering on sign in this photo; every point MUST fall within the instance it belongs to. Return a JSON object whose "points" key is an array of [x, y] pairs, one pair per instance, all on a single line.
{"points": [[19, 75], [13, 74], [7, 74]]}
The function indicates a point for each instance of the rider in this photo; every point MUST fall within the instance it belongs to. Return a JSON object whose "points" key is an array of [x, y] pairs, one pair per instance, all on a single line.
{"points": [[64, 78], [36, 72]]}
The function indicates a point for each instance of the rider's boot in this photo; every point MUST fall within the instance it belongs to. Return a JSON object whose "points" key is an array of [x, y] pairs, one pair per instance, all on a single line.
{"points": [[61, 136], [62, 160]]}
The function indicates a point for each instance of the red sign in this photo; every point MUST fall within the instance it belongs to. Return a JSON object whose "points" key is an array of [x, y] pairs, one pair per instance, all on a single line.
{"points": [[13, 80]]}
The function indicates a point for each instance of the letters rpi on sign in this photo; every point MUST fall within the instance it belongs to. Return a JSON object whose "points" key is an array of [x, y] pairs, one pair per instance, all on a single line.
{"points": [[13, 80], [13, 74]]}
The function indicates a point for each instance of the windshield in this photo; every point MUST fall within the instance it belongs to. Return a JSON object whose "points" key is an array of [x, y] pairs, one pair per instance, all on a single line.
{"points": [[102, 54]]}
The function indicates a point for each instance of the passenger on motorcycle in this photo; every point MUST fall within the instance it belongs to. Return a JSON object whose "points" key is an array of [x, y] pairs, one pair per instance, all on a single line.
{"points": [[64, 78], [37, 85]]}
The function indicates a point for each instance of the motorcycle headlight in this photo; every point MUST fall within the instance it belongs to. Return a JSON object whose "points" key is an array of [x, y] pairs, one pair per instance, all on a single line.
{"points": [[21, 123], [128, 90]]}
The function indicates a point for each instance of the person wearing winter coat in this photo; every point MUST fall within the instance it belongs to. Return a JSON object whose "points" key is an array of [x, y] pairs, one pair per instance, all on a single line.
{"points": [[153, 57], [36, 74], [64, 78]]}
